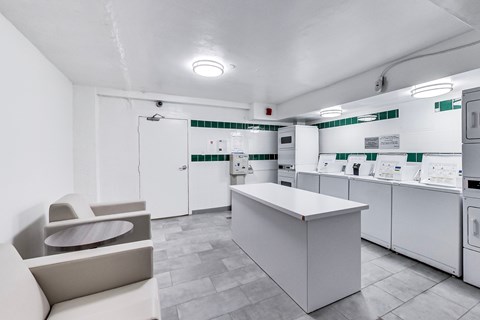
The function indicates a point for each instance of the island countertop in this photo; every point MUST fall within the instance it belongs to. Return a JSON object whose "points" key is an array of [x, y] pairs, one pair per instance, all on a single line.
{"points": [[300, 204]]}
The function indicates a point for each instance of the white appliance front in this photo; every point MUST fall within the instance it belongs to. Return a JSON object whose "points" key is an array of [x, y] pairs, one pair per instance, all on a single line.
{"points": [[335, 186], [308, 181], [471, 115], [471, 224], [286, 178], [427, 226], [286, 137], [377, 220], [286, 157], [163, 167]]}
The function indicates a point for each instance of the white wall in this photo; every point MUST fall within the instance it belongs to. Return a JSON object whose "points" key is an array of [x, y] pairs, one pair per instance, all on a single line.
{"points": [[36, 163], [112, 166], [421, 129]]}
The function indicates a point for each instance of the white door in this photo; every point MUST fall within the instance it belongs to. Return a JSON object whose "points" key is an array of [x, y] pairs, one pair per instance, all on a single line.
{"points": [[473, 119], [474, 226], [164, 166]]}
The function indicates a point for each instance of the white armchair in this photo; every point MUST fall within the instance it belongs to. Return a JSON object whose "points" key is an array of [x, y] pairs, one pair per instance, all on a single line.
{"points": [[73, 210], [113, 282]]}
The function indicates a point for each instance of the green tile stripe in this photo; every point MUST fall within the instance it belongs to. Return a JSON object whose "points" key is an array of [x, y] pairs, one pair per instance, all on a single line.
{"points": [[226, 157], [411, 157], [232, 125], [384, 115], [447, 105]]}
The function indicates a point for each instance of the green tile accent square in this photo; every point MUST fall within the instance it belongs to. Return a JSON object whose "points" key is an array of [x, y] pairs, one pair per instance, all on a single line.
{"points": [[233, 125], [457, 106], [437, 106], [412, 157], [201, 123], [446, 105], [250, 157], [369, 157], [374, 156], [201, 157], [194, 157], [255, 157], [397, 112], [391, 114], [208, 157], [214, 124], [221, 157], [383, 115], [261, 127], [214, 157], [336, 123], [419, 157], [221, 125], [239, 125], [276, 156], [208, 124], [261, 157], [326, 125], [226, 125], [342, 122], [348, 121], [343, 156], [272, 157], [227, 157], [354, 120], [193, 123]]}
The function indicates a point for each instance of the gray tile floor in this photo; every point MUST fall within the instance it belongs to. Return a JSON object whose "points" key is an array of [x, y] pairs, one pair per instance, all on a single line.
{"points": [[202, 274]]}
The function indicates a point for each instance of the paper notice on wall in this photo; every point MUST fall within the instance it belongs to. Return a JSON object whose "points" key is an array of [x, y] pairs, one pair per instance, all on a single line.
{"points": [[372, 142], [383, 142], [390, 142], [237, 142]]}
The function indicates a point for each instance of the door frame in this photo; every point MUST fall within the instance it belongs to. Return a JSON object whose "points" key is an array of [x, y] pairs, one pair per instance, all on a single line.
{"points": [[189, 211]]}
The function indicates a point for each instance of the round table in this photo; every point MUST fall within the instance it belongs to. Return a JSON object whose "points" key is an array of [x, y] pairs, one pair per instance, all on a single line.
{"points": [[88, 236]]}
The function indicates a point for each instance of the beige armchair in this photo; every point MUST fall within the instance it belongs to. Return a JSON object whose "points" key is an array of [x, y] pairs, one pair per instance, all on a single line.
{"points": [[73, 210], [113, 282]]}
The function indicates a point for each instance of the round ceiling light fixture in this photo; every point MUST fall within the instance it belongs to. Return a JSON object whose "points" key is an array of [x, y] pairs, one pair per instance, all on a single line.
{"points": [[331, 112], [367, 118], [431, 90], [208, 68]]}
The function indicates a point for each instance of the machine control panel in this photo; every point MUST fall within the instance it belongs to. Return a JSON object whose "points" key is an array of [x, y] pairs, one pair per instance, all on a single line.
{"points": [[238, 164]]}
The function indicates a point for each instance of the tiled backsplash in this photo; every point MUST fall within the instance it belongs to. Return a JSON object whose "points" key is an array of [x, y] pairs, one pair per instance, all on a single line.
{"points": [[226, 157], [447, 105], [411, 157], [233, 125], [384, 115]]}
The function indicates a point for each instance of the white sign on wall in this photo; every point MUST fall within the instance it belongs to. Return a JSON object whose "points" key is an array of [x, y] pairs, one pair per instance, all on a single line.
{"points": [[383, 142]]}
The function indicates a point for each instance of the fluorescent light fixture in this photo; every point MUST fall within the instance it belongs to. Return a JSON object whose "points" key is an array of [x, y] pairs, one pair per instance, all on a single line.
{"points": [[431, 90], [367, 118], [331, 112], [208, 68]]}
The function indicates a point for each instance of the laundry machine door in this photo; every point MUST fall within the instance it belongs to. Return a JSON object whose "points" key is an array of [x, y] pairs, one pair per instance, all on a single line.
{"points": [[474, 226]]}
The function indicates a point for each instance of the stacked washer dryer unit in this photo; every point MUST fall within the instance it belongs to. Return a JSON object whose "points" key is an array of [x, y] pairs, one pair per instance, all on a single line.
{"points": [[471, 185], [297, 151]]}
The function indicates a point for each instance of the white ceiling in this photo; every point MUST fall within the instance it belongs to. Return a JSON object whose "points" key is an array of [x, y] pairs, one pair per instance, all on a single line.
{"points": [[281, 48], [461, 81]]}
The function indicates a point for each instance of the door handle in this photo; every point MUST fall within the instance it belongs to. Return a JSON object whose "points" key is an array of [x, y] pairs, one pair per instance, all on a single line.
{"points": [[183, 168], [474, 120], [474, 223]]}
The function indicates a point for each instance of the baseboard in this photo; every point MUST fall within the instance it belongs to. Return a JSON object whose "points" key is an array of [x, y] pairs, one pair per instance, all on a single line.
{"points": [[211, 210]]}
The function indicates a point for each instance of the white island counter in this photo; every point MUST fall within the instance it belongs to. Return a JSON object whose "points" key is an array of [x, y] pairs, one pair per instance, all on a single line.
{"points": [[306, 242]]}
